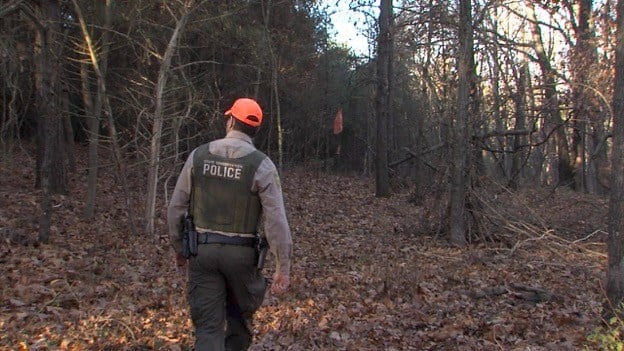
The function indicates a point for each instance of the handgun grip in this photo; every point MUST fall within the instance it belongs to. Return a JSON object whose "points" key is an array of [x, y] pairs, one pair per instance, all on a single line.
{"points": [[263, 249], [185, 244]]}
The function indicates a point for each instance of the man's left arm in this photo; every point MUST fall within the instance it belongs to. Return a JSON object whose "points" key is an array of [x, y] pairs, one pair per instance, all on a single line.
{"points": [[276, 226]]}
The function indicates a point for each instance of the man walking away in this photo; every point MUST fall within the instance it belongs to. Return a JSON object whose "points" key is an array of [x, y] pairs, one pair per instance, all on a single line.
{"points": [[225, 187]]}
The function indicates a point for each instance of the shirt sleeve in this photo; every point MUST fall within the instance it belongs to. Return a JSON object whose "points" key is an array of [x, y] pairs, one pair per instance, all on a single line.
{"points": [[276, 226], [179, 204]]}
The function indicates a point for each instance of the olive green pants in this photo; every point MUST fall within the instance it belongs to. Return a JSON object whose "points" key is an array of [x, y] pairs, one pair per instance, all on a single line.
{"points": [[225, 289]]}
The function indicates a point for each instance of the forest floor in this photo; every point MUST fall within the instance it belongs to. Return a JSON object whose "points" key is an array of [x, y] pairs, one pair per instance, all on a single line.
{"points": [[368, 273]]}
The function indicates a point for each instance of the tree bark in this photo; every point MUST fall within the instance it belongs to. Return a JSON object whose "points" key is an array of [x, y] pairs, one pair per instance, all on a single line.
{"points": [[12, 90], [460, 146], [503, 163], [103, 98], [274, 83], [615, 241], [93, 113], [519, 156], [50, 141], [384, 49], [68, 132], [584, 58], [47, 65], [154, 160], [565, 174]]}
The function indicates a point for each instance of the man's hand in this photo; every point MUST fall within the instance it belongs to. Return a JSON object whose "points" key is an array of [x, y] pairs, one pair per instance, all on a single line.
{"points": [[280, 283]]}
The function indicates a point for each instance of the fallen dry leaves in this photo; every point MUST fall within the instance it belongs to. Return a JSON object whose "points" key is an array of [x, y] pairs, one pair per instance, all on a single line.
{"points": [[366, 275]]}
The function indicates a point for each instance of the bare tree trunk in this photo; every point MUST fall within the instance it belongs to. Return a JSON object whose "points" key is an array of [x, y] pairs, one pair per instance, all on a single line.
{"points": [[460, 146], [615, 241], [10, 73], [584, 58], [52, 179], [390, 123], [274, 86], [565, 174], [93, 113], [278, 113], [518, 155], [93, 126], [598, 165], [599, 162], [103, 98], [384, 49], [154, 161], [68, 132], [537, 155], [502, 161]]}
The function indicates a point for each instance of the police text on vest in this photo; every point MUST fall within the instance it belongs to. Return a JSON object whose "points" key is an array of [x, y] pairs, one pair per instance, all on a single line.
{"points": [[222, 169]]}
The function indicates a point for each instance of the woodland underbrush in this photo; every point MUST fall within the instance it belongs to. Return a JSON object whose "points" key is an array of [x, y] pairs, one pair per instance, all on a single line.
{"points": [[367, 274]]}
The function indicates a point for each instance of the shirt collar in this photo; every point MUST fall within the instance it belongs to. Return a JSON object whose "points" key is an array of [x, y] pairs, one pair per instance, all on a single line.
{"points": [[235, 134]]}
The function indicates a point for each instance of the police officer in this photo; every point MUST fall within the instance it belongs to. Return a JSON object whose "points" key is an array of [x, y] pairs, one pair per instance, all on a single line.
{"points": [[227, 185]]}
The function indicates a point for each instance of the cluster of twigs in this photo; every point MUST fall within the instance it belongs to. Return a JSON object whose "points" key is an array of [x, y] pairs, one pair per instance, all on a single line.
{"points": [[524, 218]]}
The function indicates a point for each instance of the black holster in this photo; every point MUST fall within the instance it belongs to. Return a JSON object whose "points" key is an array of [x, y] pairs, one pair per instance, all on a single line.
{"points": [[189, 237], [262, 248]]}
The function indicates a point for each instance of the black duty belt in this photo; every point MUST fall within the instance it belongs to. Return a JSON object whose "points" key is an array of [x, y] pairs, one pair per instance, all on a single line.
{"points": [[214, 238]]}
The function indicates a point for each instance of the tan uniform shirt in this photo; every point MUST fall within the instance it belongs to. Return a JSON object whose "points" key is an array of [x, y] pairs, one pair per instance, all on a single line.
{"points": [[266, 182]]}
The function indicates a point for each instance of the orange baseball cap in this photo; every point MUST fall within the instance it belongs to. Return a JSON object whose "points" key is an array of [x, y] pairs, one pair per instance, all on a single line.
{"points": [[247, 111]]}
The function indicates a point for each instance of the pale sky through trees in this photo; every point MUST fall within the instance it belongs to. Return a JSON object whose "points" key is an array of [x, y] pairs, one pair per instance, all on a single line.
{"points": [[344, 30]]}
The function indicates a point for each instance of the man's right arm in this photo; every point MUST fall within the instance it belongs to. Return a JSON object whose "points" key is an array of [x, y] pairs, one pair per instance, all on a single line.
{"points": [[179, 204]]}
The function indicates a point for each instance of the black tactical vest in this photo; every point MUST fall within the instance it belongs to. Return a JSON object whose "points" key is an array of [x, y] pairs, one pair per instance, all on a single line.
{"points": [[220, 193]]}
